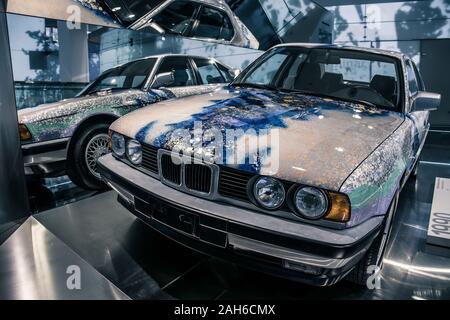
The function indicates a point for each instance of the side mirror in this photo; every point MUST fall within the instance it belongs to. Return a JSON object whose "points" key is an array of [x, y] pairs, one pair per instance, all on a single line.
{"points": [[235, 72], [425, 101], [163, 79]]}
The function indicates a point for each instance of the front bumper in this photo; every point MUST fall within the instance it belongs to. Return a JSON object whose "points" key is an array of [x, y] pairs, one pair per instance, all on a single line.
{"points": [[303, 252], [45, 159]]}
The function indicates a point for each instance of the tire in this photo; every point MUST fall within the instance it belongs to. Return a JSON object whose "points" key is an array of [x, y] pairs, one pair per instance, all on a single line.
{"points": [[375, 253], [90, 144]]}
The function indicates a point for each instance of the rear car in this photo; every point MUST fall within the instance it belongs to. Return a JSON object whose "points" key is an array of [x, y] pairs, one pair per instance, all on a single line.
{"points": [[67, 137], [210, 20]]}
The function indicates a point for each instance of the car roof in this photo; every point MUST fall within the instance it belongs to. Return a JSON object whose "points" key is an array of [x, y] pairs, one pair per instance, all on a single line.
{"points": [[392, 53], [215, 3], [159, 56]]}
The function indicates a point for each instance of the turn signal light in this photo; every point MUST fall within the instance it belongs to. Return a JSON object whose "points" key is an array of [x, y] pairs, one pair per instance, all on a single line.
{"points": [[339, 208], [24, 133]]}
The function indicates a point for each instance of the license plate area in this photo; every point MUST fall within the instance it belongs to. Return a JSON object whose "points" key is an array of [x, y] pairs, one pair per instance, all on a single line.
{"points": [[175, 217]]}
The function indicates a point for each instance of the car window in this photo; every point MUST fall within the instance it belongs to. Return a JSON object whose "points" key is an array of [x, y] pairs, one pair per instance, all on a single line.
{"points": [[129, 11], [418, 77], [293, 70], [214, 24], [225, 72], [412, 80], [130, 75], [266, 71], [361, 70], [344, 74], [208, 71], [182, 71], [177, 17]]}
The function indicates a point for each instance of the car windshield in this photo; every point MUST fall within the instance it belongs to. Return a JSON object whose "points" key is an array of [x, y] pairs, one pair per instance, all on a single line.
{"points": [[337, 73], [129, 11], [129, 76]]}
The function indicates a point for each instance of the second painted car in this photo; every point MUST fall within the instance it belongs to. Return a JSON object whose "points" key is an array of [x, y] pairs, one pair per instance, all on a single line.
{"points": [[68, 136]]}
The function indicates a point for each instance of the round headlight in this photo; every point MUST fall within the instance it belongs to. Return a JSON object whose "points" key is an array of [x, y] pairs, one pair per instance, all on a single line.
{"points": [[134, 151], [118, 144], [311, 202], [269, 192]]}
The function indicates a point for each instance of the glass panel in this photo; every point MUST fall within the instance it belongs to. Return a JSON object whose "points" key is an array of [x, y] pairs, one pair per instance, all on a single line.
{"points": [[176, 18], [344, 74], [208, 71], [225, 73], [214, 24], [181, 69], [412, 81], [265, 72], [129, 11], [131, 75]]}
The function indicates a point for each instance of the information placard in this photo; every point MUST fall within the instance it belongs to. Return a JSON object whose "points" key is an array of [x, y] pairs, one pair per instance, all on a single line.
{"points": [[439, 223]]}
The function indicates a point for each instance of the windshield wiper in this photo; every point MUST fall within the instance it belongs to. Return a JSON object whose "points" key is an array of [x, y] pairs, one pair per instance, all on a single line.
{"points": [[323, 95], [255, 85]]}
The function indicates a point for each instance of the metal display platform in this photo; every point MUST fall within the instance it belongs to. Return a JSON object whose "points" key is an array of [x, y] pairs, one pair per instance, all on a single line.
{"points": [[121, 257]]}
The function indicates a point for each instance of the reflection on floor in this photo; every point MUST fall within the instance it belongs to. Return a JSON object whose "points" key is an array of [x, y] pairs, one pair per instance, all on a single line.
{"points": [[45, 194], [145, 265], [37, 265]]}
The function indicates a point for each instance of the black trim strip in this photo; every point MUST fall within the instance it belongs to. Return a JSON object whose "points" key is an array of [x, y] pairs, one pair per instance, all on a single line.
{"points": [[44, 147]]}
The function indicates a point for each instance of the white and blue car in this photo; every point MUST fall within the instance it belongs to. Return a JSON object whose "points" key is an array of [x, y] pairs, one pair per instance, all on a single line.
{"points": [[343, 130]]}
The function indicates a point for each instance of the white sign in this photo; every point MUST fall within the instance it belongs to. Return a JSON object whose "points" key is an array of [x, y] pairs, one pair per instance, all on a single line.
{"points": [[439, 223]]}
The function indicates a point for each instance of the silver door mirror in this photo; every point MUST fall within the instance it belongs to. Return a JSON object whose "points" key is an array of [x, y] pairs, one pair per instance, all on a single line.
{"points": [[425, 101], [163, 80]]}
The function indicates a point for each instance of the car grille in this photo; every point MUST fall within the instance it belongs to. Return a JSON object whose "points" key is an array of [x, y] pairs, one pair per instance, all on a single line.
{"points": [[169, 170], [233, 183], [198, 177], [150, 158], [192, 176]]}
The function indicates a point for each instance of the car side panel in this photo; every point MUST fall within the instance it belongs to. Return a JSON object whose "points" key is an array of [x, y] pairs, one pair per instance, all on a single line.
{"points": [[63, 125], [373, 184]]}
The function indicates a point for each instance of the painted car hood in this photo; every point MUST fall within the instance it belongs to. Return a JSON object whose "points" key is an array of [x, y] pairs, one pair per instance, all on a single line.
{"points": [[321, 141], [71, 106]]}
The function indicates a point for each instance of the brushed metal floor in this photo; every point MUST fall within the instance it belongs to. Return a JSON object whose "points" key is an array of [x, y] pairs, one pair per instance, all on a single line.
{"points": [[145, 265], [34, 265]]}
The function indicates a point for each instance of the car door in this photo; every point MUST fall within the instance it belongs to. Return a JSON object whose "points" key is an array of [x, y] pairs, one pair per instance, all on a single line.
{"points": [[419, 118]]}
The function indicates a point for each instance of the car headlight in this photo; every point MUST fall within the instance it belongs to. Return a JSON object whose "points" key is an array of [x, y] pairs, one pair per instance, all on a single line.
{"points": [[118, 144], [24, 132], [269, 193], [134, 152], [312, 203]]}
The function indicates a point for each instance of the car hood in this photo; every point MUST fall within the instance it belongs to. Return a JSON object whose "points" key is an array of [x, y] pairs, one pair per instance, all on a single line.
{"points": [[312, 140], [72, 106]]}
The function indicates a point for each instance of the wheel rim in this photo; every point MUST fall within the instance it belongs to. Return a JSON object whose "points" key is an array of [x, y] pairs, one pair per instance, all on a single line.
{"points": [[96, 147]]}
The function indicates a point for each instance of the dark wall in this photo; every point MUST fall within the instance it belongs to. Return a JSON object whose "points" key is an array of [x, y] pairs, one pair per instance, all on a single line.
{"points": [[13, 195], [434, 66]]}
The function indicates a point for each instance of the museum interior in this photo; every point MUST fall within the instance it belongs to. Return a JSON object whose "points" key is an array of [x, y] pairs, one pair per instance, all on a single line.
{"points": [[353, 95]]}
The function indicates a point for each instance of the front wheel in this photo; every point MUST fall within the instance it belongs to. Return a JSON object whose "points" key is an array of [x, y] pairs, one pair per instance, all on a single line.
{"points": [[374, 255], [90, 145]]}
